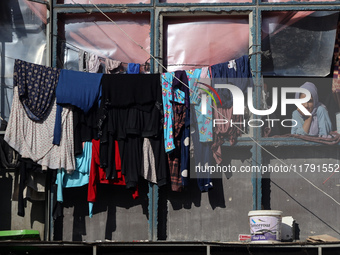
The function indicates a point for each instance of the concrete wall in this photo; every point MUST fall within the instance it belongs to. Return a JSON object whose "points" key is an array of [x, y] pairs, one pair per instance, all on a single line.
{"points": [[116, 215], [9, 220], [218, 215], [314, 212]]}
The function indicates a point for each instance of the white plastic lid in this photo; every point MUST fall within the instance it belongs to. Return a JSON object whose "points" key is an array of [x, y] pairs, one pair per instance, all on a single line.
{"points": [[265, 213]]}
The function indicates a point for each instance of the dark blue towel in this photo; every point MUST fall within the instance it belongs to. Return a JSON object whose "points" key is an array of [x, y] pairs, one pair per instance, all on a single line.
{"points": [[222, 74], [76, 88]]}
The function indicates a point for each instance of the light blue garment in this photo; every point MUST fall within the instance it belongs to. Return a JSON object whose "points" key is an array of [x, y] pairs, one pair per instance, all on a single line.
{"points": [[91, 209], [204, 121], [324, 122], [167, 97], [80, 176], [193, 77]]}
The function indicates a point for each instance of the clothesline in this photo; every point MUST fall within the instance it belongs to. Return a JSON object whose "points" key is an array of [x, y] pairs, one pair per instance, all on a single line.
{"points": [[221, 114], [78, 48], [179, 64], [256, 142], [9, 57], [151, 56]]}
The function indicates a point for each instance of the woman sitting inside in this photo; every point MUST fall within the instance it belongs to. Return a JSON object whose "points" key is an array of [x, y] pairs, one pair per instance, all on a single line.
{"points": [[318, 123]]}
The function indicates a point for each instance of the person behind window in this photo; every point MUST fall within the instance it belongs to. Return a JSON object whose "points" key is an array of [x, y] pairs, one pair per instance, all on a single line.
{"points": [[318, 123]]}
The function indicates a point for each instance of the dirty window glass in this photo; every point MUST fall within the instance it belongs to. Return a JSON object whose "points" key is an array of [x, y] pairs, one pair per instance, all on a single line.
{"points": [[22, 36], [284, 1], [298, 43], [101, 37], [204, 40], [103, 1], [205, 1]]}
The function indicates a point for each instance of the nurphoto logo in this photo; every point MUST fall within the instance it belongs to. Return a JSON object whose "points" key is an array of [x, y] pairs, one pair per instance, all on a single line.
{"points": [[239, 105]]}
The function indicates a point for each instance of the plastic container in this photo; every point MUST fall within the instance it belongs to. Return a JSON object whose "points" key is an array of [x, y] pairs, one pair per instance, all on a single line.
{"points": [[265, 226], [19, 235]]}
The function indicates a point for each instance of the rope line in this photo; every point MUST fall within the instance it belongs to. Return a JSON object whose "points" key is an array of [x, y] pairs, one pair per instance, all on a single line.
{"points": [[161, 65]]}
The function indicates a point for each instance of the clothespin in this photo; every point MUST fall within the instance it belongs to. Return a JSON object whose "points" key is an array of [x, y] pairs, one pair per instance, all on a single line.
{"points": [[232, 64]]}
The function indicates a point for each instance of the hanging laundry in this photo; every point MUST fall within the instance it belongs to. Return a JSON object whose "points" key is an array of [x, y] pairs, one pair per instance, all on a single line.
{"points": [[154, 168], [133, 68], [181, 82], [204, 120], [97, 175], [139, 91], [85, 127], [185, 137], [236, 72], [75, 88], [193, 78], [92, 63], [108, 148], [81, 60], [131, 150], [201, 125], [36, 87], [202, 158], [167, 97], [200, 141], [176, 103], [79, 177], [31, 184], [149, 165], [33, 139], [111, 65], [224, 132], [131, 107], [179, 157], [174, 158]]}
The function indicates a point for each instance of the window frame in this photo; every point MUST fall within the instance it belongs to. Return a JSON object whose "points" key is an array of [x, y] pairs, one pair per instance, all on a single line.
{"points": [[160, 10]]}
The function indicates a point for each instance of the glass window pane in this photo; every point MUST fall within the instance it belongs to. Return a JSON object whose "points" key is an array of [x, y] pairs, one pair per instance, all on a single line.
{"points": [[298, 43], [281, 1], [97, 35], [22, 36], [103, 1], [204, 40], [205, 1], [325, 97]]}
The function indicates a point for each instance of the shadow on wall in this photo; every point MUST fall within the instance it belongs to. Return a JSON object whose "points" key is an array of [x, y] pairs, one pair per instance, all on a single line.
{"points": [[109, 198], [192, 195], [6, 181], [314, 212], [37, 214]]}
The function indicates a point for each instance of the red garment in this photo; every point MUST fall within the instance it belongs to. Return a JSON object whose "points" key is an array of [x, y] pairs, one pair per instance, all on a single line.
{"points": [[98, 175]]}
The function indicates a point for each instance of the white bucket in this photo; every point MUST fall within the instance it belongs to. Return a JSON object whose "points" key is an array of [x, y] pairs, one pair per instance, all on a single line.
{"points": [[265, 226]]}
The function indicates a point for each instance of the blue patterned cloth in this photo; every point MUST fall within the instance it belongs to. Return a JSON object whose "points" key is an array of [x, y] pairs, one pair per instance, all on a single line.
{"points": [[36, 87]]}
